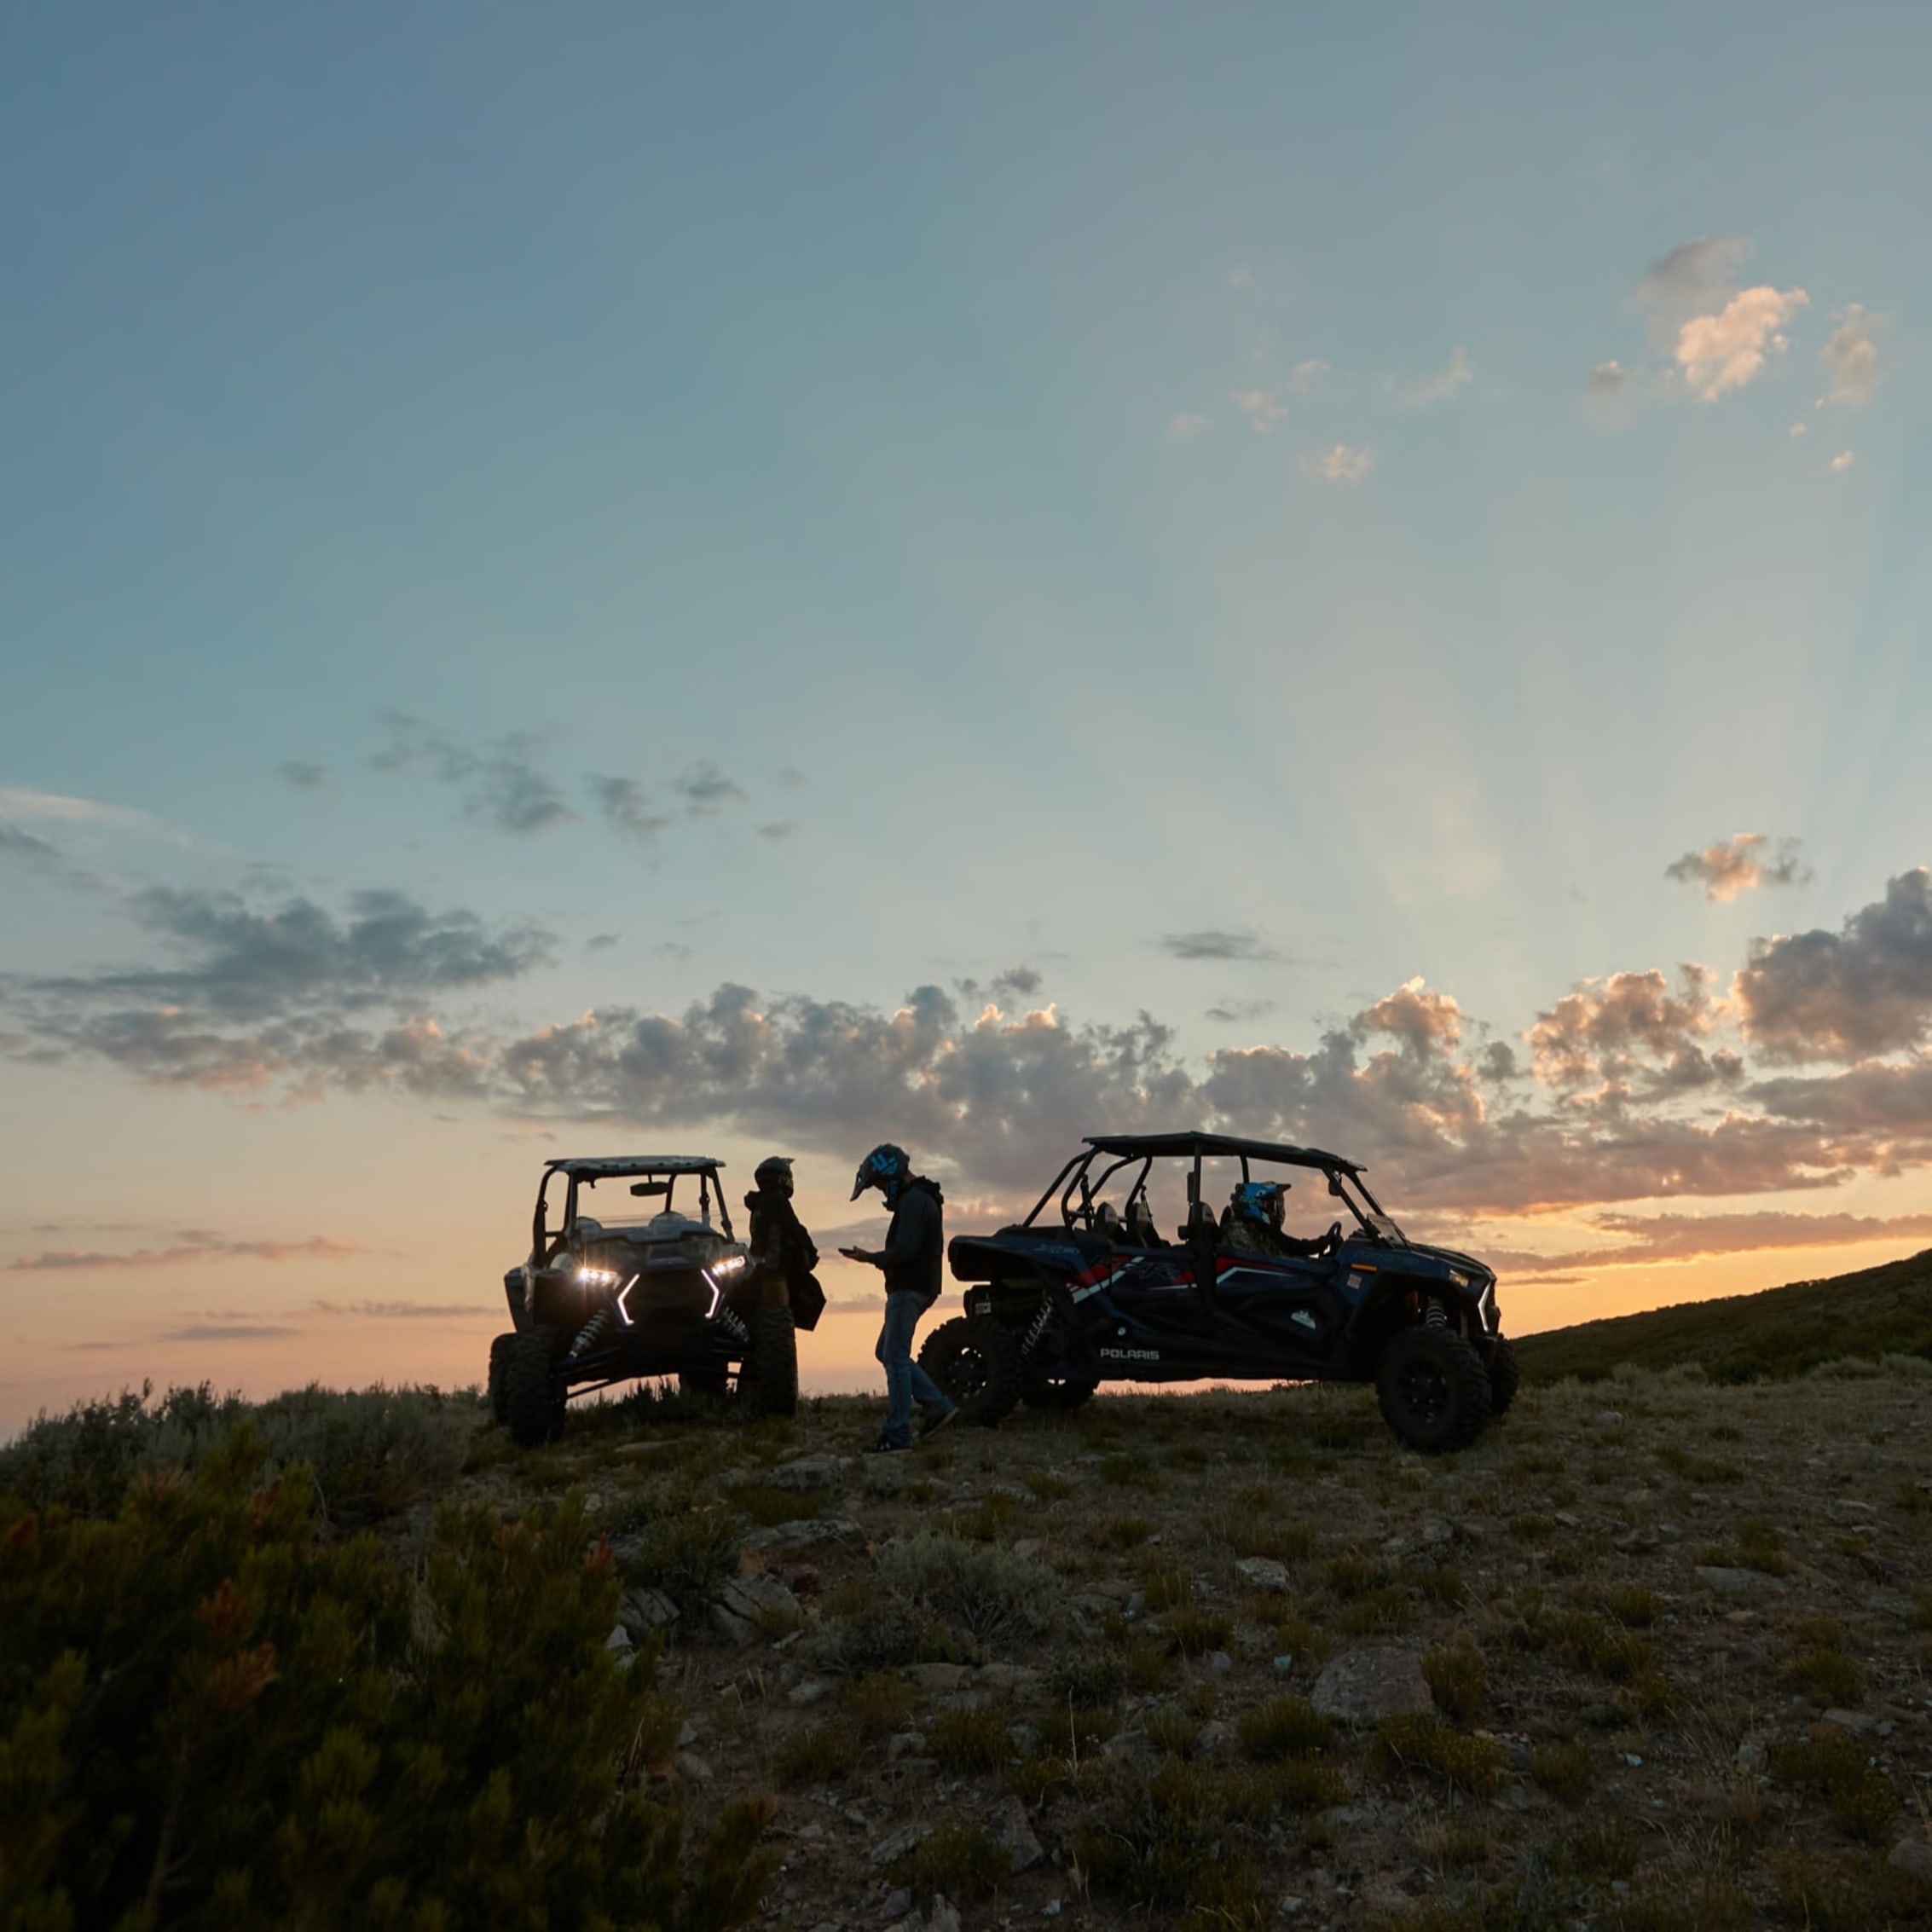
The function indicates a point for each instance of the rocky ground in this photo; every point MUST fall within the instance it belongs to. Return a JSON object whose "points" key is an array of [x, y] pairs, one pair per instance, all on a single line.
{"points": [[1653, 1654]]}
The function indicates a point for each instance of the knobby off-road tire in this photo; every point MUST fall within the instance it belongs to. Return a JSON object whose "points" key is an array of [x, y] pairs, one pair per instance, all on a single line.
{"points": [[977, 1363], [768, 1382], [499, 1369], [1434, 1390], [1049, 1389], [532, 1392], [1505, 1377]]}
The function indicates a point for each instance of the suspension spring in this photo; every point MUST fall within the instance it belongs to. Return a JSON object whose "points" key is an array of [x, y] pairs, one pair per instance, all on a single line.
{"points": [[1438, 1316], [1039, 1328], [729, 1322], [590, 1333]]}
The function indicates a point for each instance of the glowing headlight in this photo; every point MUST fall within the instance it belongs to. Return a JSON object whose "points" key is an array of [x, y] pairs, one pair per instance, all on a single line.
{"points": [[598, 1277], [729, 1264], [1461, 1281]]}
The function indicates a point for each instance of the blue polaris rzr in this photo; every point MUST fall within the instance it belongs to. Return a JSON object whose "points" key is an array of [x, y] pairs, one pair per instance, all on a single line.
{"points": [[1126, 1271]]}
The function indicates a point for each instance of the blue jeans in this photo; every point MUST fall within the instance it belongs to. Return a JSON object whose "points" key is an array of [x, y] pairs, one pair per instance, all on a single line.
{"points": [[906, 1382]]}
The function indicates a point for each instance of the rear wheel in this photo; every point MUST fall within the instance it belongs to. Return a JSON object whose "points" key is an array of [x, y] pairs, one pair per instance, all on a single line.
{"points": [[532, 1392], [499, 1368], [1434, 1390], [769, 1378], [977, 1363], [1505, 1377], [1052, 1389]]}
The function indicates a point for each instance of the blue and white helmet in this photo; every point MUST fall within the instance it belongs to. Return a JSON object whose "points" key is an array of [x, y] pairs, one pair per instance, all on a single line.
{"points": [[1260, 1200], [884, 1168]]}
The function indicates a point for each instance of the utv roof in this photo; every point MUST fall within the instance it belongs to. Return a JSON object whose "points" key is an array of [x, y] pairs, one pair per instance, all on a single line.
{"points": [[613, 1166], [1186, 1146]]}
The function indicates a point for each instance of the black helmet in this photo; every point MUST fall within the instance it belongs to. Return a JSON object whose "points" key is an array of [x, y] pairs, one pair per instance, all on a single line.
{"points": [[774, 1171]]}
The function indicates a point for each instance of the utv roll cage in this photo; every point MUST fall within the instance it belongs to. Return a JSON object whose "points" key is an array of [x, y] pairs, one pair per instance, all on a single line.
{"points": [[657, 1175], [1126, 1150]]}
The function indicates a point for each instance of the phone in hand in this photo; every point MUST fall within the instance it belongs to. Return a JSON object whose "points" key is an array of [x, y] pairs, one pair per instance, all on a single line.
{"points": [[853, 1253]]}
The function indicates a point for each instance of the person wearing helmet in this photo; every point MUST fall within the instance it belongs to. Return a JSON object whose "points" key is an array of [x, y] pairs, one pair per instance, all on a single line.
{"points": [[782, 1253], [914, 1243], [1254, 1222]]}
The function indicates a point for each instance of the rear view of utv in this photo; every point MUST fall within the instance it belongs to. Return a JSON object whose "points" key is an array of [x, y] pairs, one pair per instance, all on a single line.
{"points": [[649, 1285], [1128, 1270]]}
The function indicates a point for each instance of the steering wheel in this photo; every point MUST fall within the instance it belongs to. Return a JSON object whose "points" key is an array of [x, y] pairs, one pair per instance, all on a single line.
{"points": [[1332, 1241]]}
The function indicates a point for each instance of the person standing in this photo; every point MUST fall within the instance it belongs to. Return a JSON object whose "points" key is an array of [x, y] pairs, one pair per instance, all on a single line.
{"points": [[915, 1244], [781, 1249]]}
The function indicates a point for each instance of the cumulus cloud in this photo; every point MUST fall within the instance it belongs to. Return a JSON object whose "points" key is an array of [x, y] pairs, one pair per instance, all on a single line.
{"points": [[1696, 278], [302, 775], [1262, 408], [1852, 365], [1743, 863], [1722, 352], [192, 1247], [1841, 462], [704, 788], [1342, 462], [1185, 424], [626, 806], [1308, 375], [1216, 945], [1865, 990], [1439, 384], [1609, 1029]]}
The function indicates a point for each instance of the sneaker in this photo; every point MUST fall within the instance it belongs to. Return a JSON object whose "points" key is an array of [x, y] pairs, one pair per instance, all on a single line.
{"points": [[937, 1418], [885, 1446]]}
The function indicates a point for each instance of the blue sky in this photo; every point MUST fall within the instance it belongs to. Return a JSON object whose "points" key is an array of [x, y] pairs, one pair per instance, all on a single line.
{"points": [[1213, 516]]}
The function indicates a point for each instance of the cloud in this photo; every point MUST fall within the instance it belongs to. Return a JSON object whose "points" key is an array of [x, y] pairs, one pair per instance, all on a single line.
{"points": [[304, 776], [1739, 865], [1694, 279], [27, 849], [1341, 464], [1605, 1028], [704, 788], [1725, 351], [1439, 384], [1215, 944], [1653, 1238], [1865, 990], [18, 802], [1841, 462], [1308, 375], [227, 1331], [1185, 424], [779, 831], [1262, 408], [600, 942], [1239, 1012], [1607, 390], [405, 1310], [626, 806], [192, 1247], [502, 786], [1851, 359]]}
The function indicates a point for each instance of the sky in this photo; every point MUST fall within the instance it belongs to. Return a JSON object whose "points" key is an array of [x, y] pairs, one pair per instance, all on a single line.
{"points": [[746, 579]]}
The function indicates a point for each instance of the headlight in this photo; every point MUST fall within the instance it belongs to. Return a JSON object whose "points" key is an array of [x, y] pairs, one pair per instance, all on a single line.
{"points": [[598, 1277], [1461, 1281], [728, 1265]]}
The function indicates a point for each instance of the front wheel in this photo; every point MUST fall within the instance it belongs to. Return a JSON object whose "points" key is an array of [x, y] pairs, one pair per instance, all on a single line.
{"points": [[769, 1378], [499, 1371], [534, 1393], [1505, 1377], [1434, 1390], [977, 1363]]}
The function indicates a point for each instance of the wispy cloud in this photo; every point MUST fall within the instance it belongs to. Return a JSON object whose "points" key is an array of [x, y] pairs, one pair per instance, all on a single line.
{"points": [[406, 1310], [1239, 1012], [192, 1247], [227, 1331], [1214, 944], [705, 790], [1842, 462], [302, 775], [1185, 424], [1853, 364], [1263, 408], [626, 806], [501, 785], [1439, 384], [1342, 463], [1745, 862]]}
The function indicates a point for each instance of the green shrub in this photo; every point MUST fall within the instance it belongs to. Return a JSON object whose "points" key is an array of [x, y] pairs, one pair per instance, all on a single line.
{"points": [[1827, 1677], [968, 1739], [961, 1859], [1177, 1841], [1121, 1532], [765, 1505], [878, 1704], [1194, 1631], [1474, 1765], [1087, 1679], [1860, 1798], [1283, 1726], [1128, 1469], [1567, 1772], [1762, 1547], [1349, 1575], [936, 1598], [820, 1753], [1860, 1893], [1458, 1678], [1378, 1612], [1634, 1608], [214, 1715], [1171, 1729]]}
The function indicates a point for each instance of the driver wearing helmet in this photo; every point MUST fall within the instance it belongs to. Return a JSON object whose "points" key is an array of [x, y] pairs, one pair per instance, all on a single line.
{"points": [[915, 1244], [781, 1250], [1254, 1222]]}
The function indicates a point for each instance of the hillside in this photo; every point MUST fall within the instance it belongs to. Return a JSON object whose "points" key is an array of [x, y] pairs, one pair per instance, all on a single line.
{"points": [[1651, 1656], [1780, 1332]]}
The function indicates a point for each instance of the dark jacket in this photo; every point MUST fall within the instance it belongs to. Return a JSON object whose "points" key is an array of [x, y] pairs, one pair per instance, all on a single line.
{"points": [[914, 1242], [780, 1246]]}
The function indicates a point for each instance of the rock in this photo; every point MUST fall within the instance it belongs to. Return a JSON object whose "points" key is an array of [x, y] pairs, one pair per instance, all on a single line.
{"points": [[1284, 1664], [814, 1690], [806, 1533], [937, 1680], [1364, 1686], [1263, 1573], [691, 1765], [1127, 1743], [1018, 1491], [1220, 1664], [1736, 1582], [942, 1916], [1610, 1419], [905, 1743], [812, 1472], [1011, 1827], [1340, 1817], [619, 1643], [1007, 1679], [898, 1904], [1216, 1740], [1913, 1857], [896, 1844], [749, 1610], [643, 1611], [1569, 1520], [1754, 1751], [1025, 1739], [1856, 1722], [687, 1734]]}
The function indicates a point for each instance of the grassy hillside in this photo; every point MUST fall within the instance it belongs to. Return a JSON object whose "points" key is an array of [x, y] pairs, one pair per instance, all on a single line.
{"points": [[1877, 1312]]}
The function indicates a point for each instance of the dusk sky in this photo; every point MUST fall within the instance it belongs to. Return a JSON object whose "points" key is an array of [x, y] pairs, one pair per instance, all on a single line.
{"points": [[760, 579]]}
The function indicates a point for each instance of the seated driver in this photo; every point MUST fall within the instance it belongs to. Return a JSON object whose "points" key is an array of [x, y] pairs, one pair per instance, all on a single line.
{"points": [[1254, 1222]]}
